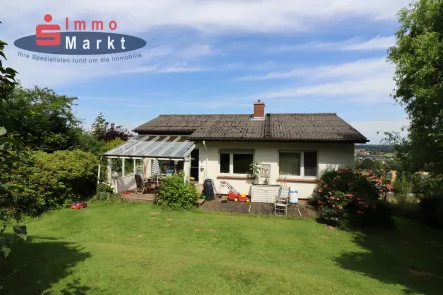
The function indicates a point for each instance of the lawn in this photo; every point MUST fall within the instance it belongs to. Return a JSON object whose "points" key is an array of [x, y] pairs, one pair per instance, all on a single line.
{"points": [[133, 248]]}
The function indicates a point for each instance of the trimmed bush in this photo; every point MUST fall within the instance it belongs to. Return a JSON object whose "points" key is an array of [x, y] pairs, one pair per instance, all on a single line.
{"points": [[351, 199], [54, 179], [177, 194], [104, 191]]}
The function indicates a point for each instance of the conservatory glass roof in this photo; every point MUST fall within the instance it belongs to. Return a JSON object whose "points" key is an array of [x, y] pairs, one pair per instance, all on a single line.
{"points": [[154, 146]]}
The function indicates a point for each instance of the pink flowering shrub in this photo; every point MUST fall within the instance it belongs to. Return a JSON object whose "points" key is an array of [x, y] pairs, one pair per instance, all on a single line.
{"points": [[351, 198]]}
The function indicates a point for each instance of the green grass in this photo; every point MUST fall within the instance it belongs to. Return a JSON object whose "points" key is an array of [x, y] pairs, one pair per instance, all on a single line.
{"points": [[134, 248]]}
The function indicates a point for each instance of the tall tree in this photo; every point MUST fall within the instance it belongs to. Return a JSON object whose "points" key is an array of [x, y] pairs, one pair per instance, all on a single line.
{"points": [[43, 119], [103, 130], [418, 58], [368, 164], [7, 158], [9, 155], [7, 75]]}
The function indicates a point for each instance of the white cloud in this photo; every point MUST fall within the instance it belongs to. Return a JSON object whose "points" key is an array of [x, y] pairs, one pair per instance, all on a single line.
{"points": [[204, 15], [353, 44], [363, 67], [49, 74], [364, 89], [370, 128], [137, 17], [377, 43], [364, 81], [164, 69], [197, 50]]}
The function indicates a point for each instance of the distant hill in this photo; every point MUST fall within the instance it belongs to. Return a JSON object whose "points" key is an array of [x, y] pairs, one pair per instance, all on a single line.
{"points": [[376, 147]]}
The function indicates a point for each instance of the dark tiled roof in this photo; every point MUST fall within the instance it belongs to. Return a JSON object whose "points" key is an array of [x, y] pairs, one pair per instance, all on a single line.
{"points": [[275, 127]]}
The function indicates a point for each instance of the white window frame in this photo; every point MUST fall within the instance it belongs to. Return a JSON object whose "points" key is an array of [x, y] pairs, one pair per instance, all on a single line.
{"points": [[302, 164], [231, 160]]}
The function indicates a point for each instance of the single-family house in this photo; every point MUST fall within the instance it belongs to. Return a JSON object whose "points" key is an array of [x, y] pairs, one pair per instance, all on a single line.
{"points": [[293, 149]]}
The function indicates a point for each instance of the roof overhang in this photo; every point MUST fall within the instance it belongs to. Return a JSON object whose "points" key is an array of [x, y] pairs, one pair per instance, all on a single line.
{"points": [[282, 140], [153, 146]]}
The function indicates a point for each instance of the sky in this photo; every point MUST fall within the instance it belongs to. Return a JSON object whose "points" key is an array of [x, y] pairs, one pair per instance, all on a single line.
{"points": [[219, 57]]}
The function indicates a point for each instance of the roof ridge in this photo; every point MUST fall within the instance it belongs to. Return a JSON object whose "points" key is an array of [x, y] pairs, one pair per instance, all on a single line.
{"points": [[202, 115], [302, 114]]}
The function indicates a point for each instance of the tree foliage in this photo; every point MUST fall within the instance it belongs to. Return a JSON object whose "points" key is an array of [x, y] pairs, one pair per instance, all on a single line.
{"points": [[426, 186], [9, 210], [9, 156], [418, 57], [85, 141], [41, 118], [368, 164], [7, 75], [103, 130]]}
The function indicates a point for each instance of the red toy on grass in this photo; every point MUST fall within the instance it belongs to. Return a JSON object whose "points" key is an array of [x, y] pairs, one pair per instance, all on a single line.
{"points": [[79, 205]]}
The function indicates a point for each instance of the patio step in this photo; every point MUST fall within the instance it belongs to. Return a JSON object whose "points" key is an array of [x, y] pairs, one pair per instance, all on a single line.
{"points": [[200, 202]]}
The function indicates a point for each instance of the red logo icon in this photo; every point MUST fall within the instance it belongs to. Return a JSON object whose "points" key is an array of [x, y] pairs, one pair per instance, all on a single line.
{"points": [[47, 38]]}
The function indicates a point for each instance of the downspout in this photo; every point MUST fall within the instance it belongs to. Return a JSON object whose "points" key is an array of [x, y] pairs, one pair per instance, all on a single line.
{"points": [[206, 164], [184, 169], [98, 174]]}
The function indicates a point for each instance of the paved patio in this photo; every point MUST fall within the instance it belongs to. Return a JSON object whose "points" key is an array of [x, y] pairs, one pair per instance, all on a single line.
{"points": [[294, 210], [139, 197]]}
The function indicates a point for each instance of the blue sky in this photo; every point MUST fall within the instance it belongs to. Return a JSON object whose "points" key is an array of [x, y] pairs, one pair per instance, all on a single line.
{"points": [[220, 56]]}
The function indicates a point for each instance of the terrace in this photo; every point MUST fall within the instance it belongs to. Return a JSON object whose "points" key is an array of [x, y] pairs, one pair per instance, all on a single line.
{"points": [[151, 158]]}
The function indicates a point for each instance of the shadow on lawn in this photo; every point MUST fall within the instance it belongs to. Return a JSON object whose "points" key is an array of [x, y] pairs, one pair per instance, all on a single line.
{"points": [[411, 256], [33, 267]]}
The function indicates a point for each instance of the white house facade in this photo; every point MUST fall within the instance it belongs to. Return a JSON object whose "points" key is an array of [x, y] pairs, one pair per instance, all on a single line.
{"points": [[295, 165], [292, 150]]}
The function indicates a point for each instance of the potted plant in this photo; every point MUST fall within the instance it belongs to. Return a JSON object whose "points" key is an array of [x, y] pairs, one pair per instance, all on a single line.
{"points": [[255, 168]]}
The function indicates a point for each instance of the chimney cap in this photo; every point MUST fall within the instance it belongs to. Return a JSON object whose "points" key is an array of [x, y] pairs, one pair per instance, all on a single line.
{"points": [[259, 102]]}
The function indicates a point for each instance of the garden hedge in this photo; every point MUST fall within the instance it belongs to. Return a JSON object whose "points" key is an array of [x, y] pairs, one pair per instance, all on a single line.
{"points": [[350, 198]]}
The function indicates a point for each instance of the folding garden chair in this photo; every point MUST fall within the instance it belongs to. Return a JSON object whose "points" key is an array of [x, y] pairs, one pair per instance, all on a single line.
{"points": [[281, 203], [142, 186]]}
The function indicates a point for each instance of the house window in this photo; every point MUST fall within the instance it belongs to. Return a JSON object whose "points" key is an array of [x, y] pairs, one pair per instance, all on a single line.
{"points": [[242, 162], [236, 161], [290, 164], [310, 163], [224, 162], [298, 163]]}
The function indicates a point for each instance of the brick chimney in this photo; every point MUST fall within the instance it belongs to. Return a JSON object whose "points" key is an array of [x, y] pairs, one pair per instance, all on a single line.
{"points": [[259, 110]]}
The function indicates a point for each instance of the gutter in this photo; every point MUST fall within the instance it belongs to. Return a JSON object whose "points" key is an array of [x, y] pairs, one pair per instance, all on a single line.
{"points": [[280, 140], [206, 163]]}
